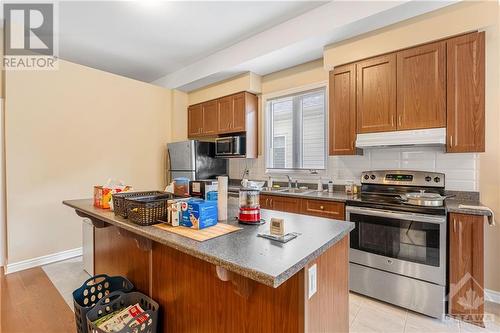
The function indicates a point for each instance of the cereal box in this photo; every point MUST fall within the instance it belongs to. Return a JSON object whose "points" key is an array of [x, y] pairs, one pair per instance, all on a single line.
{"points": [[199, 214]]}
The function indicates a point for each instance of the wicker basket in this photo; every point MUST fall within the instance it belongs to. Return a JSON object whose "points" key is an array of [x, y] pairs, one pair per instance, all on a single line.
{"points": [[148, 210], [120, 202], [119, 300], [92, 290]]}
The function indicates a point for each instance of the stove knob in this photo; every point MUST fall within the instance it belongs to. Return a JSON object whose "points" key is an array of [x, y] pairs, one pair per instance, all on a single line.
{"points": [[366, 177], [372, 177], [428, 178], [437, 179]]}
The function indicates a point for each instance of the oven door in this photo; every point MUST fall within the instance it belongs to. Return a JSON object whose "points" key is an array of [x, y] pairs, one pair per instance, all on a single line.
{"points": [[408, 244]]}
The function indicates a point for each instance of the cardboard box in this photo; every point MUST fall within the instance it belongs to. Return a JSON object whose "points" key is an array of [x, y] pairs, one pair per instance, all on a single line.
{"points": [[199, 214]]}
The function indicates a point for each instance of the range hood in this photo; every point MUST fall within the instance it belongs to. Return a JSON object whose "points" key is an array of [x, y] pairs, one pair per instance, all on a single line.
{"points": [[423, 137]]}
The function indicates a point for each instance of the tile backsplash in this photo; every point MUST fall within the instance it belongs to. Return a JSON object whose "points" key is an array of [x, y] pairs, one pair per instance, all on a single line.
{"points": [[461, 170]]}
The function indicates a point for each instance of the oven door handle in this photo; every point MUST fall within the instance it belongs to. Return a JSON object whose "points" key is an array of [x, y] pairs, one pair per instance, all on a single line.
{"points": [[397, 215]]}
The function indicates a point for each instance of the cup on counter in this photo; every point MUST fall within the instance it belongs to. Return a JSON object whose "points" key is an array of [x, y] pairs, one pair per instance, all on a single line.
{"points": [[349, 187]]}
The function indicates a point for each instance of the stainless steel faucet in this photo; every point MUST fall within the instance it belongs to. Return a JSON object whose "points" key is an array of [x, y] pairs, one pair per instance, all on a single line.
{"points": [[289, 181]]}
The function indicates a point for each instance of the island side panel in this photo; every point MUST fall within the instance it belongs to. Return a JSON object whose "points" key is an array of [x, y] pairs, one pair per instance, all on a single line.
{"points": [[193, 299], [116, 254], [328, 309]]}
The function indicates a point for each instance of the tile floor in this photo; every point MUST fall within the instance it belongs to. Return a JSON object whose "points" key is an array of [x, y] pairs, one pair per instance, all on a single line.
{"points": [[366, 315], [67, 276]]}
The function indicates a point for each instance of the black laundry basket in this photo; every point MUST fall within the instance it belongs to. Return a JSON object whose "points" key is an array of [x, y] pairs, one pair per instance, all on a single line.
{"points": [[92, 290], [118, 300]]}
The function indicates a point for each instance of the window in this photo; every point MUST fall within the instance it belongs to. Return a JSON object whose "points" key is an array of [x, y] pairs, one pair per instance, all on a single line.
{"points": [[296, 131]]}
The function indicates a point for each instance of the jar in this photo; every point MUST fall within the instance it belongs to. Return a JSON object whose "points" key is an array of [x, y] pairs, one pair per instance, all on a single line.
{"points": [[249, 197]]}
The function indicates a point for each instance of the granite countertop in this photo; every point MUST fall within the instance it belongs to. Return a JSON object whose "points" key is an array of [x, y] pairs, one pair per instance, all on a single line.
{"points": [[242, 252], [452, 206], [339, 196]]}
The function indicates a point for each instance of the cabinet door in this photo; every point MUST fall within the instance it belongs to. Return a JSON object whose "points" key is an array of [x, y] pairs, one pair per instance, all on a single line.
{"points": [[225, 114], [466, 271], [465, 93], [342, 113], [376, 94], [286, 204], [239, 112], [210, 118], [265, 201], [421, 87], [195, 120]]}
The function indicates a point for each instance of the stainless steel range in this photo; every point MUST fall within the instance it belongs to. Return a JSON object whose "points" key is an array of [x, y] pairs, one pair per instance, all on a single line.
{"points": [[398, 250]]}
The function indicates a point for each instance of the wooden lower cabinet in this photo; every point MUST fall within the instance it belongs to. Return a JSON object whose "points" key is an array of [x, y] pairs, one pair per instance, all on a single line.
{"points": [[284, 204], [466, 267], [322, 208], [116, 252]]}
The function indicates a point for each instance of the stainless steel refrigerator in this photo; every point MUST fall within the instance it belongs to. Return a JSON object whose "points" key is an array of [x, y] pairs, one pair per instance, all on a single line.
{"points": [[194, 160]]}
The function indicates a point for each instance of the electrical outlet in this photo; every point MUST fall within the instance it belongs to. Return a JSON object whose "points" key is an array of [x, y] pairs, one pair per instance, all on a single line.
{"points": [[313, 286]]}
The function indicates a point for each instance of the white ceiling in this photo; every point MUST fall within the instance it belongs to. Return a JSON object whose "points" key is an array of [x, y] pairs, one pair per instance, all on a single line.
{"points": [[186, 45], [146, 40]]}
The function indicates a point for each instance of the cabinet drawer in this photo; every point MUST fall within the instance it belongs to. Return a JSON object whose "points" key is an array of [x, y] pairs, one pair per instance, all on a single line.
{"points": [[322, 208]]}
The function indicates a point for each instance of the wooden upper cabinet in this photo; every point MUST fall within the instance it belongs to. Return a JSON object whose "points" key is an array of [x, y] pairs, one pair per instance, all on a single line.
{"points": [[342, 110], [421, 87], [232, 113], [465, 93], [225, 116], [466, 267], [195, 120], [239, 111], [376, 94], [210, 118]]}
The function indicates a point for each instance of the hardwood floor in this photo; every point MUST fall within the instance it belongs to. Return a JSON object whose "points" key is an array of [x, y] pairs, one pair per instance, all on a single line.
{"points": [[31, 303]]}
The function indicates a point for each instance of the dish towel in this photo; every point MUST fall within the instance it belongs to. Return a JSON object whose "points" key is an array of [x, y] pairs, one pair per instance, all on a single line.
{"points": [[491, 217]]}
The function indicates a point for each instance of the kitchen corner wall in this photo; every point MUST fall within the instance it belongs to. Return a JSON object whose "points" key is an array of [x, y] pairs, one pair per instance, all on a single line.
{"points": [[462, 170], [67, 130]]}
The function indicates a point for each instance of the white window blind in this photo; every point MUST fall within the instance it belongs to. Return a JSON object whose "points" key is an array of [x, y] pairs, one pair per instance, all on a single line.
{"points": [[296, 137]]}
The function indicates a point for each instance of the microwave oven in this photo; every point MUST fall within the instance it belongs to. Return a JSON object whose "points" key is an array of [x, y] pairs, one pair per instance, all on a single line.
{"points": [[230, 146]]}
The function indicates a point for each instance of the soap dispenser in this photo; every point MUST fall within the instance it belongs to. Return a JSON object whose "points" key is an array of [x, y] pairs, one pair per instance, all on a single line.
{"points": [[320, 185]]}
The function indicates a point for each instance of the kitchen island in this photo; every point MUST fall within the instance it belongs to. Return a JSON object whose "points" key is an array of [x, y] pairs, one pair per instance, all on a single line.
{"points": [[236, 282]]}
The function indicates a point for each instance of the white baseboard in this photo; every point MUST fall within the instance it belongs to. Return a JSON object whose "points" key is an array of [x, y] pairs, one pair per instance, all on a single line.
{"points": [[43, 260], [492, 296]]}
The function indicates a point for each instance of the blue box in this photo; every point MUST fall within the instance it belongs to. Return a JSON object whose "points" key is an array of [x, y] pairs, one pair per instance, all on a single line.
{"points": [[199, 214]]}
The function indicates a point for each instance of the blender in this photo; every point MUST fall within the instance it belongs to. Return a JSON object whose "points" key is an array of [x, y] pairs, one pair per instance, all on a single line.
{"points": [[249, 205]]}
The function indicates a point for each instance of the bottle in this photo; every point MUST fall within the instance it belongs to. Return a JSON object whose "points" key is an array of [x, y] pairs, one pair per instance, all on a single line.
{"points": [[330, 186], [320, 185], [270, 182]]}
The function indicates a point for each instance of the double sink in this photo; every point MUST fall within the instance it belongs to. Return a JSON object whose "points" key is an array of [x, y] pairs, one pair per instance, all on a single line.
{"points": [[291, 190]]}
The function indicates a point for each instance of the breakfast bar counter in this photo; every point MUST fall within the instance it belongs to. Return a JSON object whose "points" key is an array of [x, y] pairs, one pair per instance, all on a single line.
{"points": [[235, 282]]}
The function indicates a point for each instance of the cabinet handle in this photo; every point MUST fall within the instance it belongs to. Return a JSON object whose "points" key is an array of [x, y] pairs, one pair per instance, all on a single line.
{"points": [[454, 225], [451, 141], [271, 202], [392, 121], [399, 120], [321, 207], [352, 144], [228, 125]]}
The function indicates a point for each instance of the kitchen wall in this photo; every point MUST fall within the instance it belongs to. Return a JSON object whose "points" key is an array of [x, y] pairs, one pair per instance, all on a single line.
{"points": [[67, 130], [462, 170], [245, 82]]}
